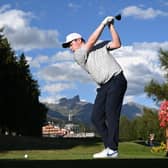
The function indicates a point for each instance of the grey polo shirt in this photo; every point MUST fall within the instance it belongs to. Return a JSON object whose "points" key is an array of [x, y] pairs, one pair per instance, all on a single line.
{"points": [[99, 62]]}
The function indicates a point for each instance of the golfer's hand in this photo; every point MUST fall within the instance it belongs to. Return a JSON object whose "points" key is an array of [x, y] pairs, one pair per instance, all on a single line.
{"points": [[108, 20]]}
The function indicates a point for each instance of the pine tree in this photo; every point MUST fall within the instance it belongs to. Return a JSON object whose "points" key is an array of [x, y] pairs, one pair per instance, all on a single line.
{"points": [[154, 89], [7, 87], [22, 112]]}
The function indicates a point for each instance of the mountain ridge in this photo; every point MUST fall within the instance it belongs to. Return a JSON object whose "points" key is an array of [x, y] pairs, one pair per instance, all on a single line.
{"points": [[81, 111]]}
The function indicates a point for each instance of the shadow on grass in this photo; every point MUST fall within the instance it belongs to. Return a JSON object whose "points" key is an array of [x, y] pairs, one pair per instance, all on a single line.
{"points": [[145, 143], [40, 143]]}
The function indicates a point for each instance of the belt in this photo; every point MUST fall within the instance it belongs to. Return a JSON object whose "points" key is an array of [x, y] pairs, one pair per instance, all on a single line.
{"points": [[112, 78]]}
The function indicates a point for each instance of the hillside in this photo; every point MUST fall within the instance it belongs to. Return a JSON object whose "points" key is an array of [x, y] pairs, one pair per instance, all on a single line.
{"points": [[80, 111]]}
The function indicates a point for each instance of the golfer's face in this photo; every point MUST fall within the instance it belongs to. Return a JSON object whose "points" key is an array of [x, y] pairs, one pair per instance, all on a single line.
{"points": [[75, 44]]}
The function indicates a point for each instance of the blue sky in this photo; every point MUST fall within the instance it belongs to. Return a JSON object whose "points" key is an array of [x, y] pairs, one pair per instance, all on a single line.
{"points": [[38, 29]]}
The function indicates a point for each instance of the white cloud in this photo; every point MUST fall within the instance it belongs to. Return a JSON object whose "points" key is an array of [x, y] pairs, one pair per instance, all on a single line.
{"points": [[57, 87], [58, 67], [62, 56], [141, 64], [15, 19], [52, 91], [20, 33], [142, 13], [63, 71], [38, 61], [51, 99], [128, 99]]}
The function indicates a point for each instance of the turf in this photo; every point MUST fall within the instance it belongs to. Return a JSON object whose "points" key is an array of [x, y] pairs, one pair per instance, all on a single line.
{"points": [[14, 148], [72, 152]]}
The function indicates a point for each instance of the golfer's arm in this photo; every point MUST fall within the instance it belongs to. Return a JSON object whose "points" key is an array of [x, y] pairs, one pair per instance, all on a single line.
{"points": [[94, 37], [116, 42]]}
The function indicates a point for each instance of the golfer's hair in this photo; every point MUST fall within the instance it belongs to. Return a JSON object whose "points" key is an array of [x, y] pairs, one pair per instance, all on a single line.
{"points": [[83, 40]]}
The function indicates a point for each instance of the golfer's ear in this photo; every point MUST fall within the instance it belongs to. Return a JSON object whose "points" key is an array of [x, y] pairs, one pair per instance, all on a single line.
{"points": [[80, 40]]}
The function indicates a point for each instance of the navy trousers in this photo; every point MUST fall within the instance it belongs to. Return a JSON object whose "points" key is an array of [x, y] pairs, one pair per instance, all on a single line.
{"points": [[107, 108]]}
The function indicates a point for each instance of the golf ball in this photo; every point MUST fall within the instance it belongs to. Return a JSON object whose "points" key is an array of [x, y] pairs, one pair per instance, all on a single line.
{"points": [[26, 156]]}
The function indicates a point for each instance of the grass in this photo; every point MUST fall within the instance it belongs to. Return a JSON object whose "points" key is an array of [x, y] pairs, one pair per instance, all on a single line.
{"points": [[127, 150], [14, 148], [54, 152]]}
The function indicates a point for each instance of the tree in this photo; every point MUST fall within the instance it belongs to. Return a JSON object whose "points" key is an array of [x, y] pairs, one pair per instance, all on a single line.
{"points": [[29, 93], [154, 89], [22, 112], [150, 124], [7, 87], [125, 129], [159, 91]]}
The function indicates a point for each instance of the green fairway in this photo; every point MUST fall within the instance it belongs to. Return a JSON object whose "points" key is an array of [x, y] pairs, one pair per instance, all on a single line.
{"points": [[67, 149], [126, 150]]}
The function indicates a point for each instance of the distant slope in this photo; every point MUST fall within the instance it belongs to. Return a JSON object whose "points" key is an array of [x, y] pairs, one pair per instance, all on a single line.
{"points": [[81, 111], [132, 110]]}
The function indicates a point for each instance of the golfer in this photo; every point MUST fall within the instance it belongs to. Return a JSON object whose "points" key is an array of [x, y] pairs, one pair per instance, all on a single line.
{"points": [[94, 57]]}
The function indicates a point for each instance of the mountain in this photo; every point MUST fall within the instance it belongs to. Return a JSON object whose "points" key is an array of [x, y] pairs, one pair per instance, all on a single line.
{"points": [[80, 111], [132, 110], [70, 109]]}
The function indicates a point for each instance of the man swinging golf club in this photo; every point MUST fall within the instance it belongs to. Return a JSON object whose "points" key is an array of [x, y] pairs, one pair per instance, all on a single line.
{"points": [[95, 58]]}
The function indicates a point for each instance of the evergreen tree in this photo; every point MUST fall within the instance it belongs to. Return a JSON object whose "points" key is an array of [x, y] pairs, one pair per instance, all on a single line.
{"points": [[7, 86], [23, 113], [154, 89]]}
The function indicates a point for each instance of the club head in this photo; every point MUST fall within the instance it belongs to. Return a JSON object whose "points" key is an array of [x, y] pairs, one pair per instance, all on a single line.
{"points": [[118, 17]]}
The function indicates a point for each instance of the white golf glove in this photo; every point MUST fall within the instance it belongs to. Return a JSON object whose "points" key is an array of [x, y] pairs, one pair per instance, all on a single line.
{"points": [[107, 20]]}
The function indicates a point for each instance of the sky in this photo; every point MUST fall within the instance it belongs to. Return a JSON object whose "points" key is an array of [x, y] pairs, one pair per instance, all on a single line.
{"points": [[38, 28]]}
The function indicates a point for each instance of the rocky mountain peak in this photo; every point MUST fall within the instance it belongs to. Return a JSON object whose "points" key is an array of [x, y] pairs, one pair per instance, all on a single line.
{"points": [[69, 102]]}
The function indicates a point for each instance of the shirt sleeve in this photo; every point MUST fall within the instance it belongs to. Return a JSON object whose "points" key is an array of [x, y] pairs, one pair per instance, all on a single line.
{"points": [[108, 46], [81, 56]]}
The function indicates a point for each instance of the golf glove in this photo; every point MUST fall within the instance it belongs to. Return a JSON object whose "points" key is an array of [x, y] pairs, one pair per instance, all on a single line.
{"points": [[108, 20]]}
